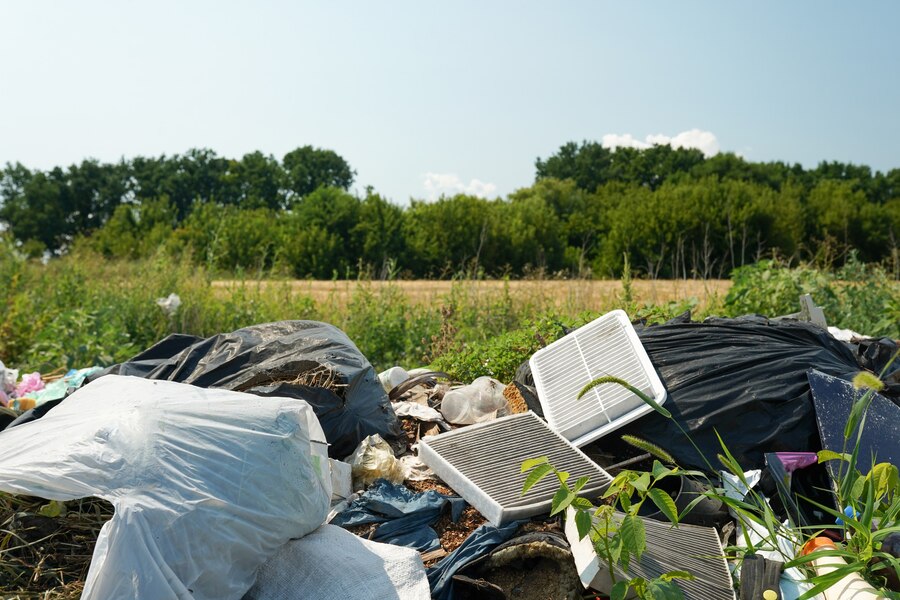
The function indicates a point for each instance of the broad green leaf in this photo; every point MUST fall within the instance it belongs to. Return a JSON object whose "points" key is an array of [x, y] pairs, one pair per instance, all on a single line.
{"points": [[826, 455], [856, 413], [659, 589], [563, 476], [633, 535], [659, 470], [582, 523], [561, 500], [582, 504], [677, 575], [619, 591], [533, 462], [664, 503], [886, 479], [642, 482], [539, 472], [580, 483]]}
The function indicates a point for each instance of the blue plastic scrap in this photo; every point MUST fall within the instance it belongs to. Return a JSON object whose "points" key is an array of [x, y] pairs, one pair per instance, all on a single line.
{"points": [[405, 516]]}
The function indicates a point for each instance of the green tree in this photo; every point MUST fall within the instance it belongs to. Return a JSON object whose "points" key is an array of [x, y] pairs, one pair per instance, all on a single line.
{"points": [[256, 181], [380, 230], [136, 230], [310, 168], [530, 235], [834, 209], [35, 208], [589, 165], [337, 214], [451, 234]]}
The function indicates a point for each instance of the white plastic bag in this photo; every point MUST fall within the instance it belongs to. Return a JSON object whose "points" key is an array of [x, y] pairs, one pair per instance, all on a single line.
{"points": [[207, 484], [474, 403], [334, 564]]}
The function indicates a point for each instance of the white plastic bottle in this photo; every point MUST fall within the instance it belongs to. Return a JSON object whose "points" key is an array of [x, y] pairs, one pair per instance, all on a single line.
{"points": [[849, 587]]}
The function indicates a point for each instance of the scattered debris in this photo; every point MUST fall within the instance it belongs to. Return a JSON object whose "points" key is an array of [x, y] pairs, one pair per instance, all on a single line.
{"points": [[292, 359], [432, 500], [179, 476], [169, 304], [690, 548], [483, 464], [477, 402], [374, 459], [607, 346]]}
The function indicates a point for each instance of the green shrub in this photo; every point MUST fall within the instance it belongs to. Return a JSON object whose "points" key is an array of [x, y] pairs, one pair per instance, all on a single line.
{"points": [[859, 296], [501, 355]]}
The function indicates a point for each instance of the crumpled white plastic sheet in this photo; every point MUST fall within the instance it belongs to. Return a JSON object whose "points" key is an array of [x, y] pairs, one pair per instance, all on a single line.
{"points": [[207, 484], [333, 564]]}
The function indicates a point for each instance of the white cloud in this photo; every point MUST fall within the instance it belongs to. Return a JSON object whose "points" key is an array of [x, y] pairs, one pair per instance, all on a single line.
{"points": [[705, 141], [437, 184], [614, 140]]}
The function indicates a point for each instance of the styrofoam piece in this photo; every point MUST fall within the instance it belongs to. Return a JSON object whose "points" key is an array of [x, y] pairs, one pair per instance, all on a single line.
{"points": [[606, 346], [690, 548], [483, 464]]}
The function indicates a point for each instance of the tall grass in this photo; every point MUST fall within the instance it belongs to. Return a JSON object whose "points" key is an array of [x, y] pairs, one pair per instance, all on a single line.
{"points": [[83, 309]]}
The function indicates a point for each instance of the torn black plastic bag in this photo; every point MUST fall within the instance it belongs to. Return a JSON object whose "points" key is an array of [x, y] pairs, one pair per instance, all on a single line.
{"points": [[309, 360], [745, 378]]}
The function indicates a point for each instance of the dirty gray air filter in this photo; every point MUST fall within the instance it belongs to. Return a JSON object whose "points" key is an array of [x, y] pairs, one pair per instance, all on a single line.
{"points": [[483, 464], [690, 548], [606, 346]]}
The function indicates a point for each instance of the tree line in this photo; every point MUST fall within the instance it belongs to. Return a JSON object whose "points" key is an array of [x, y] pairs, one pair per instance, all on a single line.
{"points": [[671, 211]]}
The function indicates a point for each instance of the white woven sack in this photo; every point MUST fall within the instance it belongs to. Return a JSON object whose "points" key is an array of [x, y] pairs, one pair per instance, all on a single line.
{"points": [[334, 564]]}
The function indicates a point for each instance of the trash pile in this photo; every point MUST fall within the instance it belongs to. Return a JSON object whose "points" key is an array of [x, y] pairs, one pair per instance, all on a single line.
{"points": [[702, 460]]}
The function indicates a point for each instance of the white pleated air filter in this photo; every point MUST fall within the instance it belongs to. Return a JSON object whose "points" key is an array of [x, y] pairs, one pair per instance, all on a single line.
{"points": [[690, 548], [483, 464], [605, 346]]}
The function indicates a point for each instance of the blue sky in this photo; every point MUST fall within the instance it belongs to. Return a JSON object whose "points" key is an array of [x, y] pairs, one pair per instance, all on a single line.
{"points": [[423, 98]]}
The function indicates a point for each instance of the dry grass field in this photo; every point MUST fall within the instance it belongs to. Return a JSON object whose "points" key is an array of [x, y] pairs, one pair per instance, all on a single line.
{"points": [[564, 294]]}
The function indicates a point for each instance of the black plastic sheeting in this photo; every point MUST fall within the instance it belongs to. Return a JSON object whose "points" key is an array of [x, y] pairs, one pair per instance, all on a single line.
{"points": [[875, 355], [267, 360], [745, 378]]}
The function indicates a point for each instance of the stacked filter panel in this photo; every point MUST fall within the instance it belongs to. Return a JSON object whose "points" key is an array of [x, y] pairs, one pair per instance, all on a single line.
{"points": [[606, 346], [690, 548], [482, 463]]}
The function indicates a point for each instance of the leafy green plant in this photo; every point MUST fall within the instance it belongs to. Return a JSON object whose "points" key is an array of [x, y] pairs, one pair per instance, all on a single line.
{"points": [[871, 516], [872, 503], [616, 531], [859, 296]]}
